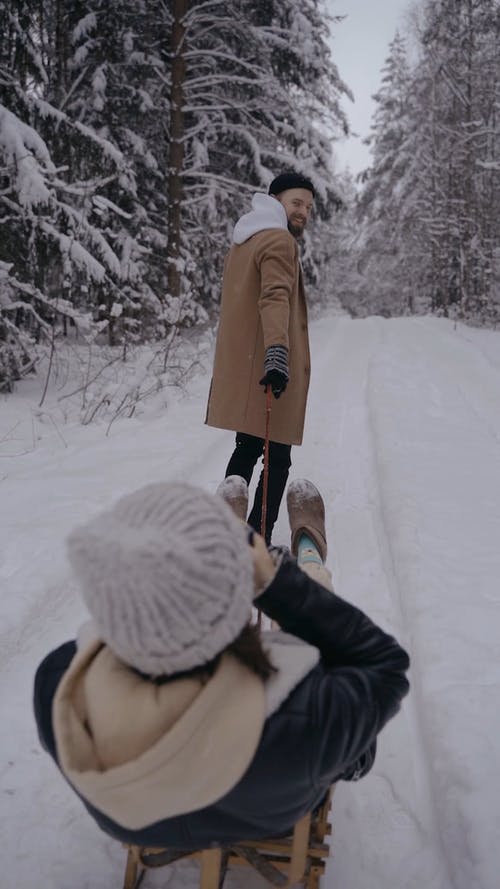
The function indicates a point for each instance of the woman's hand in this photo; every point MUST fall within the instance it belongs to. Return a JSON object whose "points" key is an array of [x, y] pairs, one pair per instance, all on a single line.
{"points": [[264, 568]]}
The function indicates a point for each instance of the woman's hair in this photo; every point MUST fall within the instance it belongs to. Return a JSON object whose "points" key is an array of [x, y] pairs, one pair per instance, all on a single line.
{"points": [[246, 648]]}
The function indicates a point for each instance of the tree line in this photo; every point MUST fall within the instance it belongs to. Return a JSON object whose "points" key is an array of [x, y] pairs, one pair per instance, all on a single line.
{"points": [[132, 135], [425, 233]]}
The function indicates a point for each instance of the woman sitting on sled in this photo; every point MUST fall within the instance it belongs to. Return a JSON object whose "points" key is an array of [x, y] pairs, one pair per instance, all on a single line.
{"points": [[175, 720]]}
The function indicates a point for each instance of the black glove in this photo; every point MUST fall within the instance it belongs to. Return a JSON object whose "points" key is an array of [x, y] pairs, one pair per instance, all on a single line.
{"points": [[275, 369], [276, 380]]}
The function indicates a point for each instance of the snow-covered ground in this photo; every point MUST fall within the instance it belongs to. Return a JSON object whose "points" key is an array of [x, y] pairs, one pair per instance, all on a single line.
{"points": [[403, 438]]}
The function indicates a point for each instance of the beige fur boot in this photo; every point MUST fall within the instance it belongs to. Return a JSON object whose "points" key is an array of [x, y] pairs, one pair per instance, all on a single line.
{"points": [[306, 513], [234, 490]]}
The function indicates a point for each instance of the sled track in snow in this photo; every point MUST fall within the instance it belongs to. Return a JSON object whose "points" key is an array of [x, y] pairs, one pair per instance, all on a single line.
{"points": [[364, 566], [414, 705]]}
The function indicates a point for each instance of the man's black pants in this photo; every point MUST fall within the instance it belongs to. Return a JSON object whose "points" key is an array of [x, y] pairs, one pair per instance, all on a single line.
{"points": [[245, 455]]}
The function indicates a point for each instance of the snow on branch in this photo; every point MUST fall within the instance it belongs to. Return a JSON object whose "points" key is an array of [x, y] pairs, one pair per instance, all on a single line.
{"points": [[76, 251], [24, 39], [47, 110], [226, 56], [104, 203], [27, 152], [86, 24], [489, 165]]}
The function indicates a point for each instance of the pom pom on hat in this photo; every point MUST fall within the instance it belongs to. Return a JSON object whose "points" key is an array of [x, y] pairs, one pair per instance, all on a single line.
{"points": [[167, 575], [290, 180]]}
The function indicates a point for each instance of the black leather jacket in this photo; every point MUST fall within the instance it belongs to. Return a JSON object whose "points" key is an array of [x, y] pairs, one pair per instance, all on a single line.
{"points": [[323, 732]]}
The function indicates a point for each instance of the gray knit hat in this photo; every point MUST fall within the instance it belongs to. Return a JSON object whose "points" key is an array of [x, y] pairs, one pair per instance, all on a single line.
{"points": [[167, 575]]}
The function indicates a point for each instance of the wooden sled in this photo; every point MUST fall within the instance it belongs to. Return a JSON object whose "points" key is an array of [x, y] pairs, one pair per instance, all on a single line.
{"points": [[296, 860]]}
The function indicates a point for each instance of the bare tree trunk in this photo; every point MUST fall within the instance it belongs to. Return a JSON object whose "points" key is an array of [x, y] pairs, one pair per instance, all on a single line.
{"points": [[469, 270], [176, 147]]}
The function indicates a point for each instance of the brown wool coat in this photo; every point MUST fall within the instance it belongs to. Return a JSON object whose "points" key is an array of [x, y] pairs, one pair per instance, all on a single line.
{"points": [[263, 304]]}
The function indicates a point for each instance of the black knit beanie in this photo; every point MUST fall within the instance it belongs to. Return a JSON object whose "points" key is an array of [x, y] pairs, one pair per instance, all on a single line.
{"points": [[290, 180]]}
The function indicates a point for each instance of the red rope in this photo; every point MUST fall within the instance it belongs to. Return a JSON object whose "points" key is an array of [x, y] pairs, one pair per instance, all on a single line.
{"points": [[265, 481]]}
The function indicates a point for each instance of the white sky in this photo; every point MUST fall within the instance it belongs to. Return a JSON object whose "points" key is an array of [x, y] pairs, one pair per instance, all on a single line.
{"points": [[360, 46]]}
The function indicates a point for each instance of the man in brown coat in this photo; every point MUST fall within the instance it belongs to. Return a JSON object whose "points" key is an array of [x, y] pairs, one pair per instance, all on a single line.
{"points": [[262, 339]]}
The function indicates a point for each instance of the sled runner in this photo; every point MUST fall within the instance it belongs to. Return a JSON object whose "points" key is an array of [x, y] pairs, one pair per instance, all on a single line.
{"points": [[296, 860]]}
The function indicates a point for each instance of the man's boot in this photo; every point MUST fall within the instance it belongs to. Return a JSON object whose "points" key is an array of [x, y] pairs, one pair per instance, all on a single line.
{"points": [[306, 513], [234, 490]]}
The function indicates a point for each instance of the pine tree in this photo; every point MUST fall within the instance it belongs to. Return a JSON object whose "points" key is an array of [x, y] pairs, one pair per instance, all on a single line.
{"points": [[434, 191], [54, 256], [132, 137], [461, 68], [380, 247], [259, 94], [114, 90]]}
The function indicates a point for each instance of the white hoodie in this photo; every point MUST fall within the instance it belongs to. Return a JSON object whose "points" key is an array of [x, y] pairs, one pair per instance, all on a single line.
{"points": [[266, 213]]}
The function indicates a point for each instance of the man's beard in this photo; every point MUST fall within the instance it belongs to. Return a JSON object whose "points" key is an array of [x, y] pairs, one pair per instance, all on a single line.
{"points": [[296, 229]]}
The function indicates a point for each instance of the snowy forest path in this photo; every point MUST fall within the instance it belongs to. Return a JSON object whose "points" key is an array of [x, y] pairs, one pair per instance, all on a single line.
{"points": [[402, 438]]}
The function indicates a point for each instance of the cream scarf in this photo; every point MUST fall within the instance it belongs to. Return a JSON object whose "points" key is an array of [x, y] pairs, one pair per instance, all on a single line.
{"points": [[141, 752]]}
